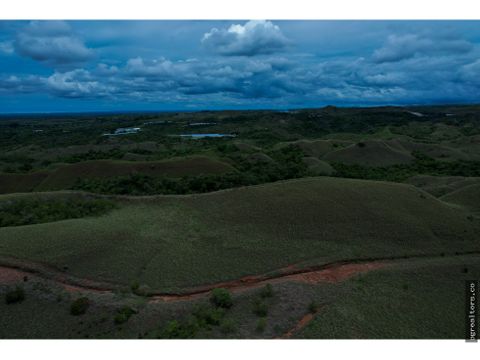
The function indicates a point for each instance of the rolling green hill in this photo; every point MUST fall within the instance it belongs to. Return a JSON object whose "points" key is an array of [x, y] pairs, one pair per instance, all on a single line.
{"points": [[467, 196], [441, 185], [170, 242], [371, 153], [65, 176]]}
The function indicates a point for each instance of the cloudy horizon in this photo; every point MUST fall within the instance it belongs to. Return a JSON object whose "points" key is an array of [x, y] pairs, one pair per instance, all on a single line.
{"points": [[55, 66]]}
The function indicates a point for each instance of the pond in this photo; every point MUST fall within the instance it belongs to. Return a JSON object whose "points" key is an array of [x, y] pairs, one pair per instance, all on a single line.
{"points": [[199, 136]]}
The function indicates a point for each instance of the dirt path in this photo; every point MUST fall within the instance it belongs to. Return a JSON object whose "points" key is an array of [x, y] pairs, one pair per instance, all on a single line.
{"points": [[298, 326], [13, 271]]}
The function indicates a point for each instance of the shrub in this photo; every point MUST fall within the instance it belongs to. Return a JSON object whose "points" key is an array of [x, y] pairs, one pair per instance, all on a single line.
{"points": [[313, 307], [227, 326], [123, 315], [139, 290], [206, 316], [143, 290], [267, 291], [134, 287], [79, 306], [261, 324], [221, 298], [176, 330], [15, 296], [260, 308], [172, 330]]}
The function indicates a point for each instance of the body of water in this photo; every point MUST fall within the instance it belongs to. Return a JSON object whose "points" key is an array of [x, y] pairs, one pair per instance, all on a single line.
{"points": [[199, 136]]}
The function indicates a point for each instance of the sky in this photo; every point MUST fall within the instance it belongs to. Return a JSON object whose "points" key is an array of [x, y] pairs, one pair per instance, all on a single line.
{"points": [[75, 66]]}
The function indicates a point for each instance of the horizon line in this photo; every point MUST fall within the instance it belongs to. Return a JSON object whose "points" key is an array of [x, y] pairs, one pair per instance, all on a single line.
{"points": [[61, 112]]}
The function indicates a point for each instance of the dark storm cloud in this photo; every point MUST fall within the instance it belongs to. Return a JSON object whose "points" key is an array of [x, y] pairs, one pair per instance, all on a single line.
{"points": [[253, 38], [51, 42], [401, 47]]}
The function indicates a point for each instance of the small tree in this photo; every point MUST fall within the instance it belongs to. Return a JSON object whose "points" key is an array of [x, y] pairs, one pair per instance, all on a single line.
{"points": [[79, 306], [15, 296], [221, 298]]}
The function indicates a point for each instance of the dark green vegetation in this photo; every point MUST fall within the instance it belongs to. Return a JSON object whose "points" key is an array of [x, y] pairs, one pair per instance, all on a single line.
{"points": [[289, 165], [79, 306], [422, 164], [15, 296], [379, 143], [123, 315], [221, 298], [202, 319], [26, 210], [143, 214]]}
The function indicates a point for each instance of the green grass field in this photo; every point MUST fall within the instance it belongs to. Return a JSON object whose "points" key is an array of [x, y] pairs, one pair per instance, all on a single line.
{"points": [[415, 300], [170, 242]]}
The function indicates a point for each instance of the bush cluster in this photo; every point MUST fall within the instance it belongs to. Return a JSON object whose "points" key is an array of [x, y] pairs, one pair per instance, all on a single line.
{"points": [[79, 306], [123, 314], [221, 298], [28, 211], [422, 165], [203, 317], [15, 296], [260, 308], [288, 164]]}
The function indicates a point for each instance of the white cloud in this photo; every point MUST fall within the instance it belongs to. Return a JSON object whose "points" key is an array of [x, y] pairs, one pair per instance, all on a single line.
{"points": [[256, 37], [76, 84]]}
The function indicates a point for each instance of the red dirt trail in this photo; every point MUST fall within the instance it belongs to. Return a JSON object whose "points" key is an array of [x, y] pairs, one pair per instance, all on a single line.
{"points": [[13, 270], [298, 326], [11, 276], [14, 273]]}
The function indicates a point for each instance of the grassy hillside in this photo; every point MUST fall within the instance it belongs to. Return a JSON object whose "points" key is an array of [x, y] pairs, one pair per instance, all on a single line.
{"points": [[318, 167], [11, 183], [370, 153], [171, 242], [441, 185], [316, 148], [65, 176], [415, 300], [468, 197]]}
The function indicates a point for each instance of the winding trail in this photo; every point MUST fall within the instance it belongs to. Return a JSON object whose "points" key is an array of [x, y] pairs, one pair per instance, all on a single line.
{"points": [[14, 270]]}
